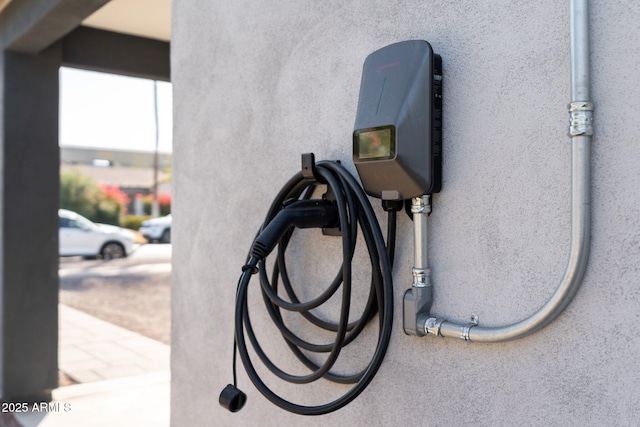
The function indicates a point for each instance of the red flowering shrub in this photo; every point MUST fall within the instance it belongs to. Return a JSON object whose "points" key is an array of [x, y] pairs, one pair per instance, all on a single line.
{"points": [[164, 201], [112, 204]]}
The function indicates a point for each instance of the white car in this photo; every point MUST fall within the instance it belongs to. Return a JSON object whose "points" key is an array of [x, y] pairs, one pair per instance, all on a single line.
{"points": [[157, 229], [80, 237]]}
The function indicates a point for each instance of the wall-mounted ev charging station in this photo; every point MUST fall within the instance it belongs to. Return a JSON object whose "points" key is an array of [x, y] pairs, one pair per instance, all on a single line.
{"points": [[397, 151]]}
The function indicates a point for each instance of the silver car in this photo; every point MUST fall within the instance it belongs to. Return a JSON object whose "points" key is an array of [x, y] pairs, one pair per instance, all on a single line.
{"points": [[157, 229]]}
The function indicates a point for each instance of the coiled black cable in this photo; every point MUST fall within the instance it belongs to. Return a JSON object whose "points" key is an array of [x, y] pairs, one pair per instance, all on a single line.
{"points": [[354, 211]]}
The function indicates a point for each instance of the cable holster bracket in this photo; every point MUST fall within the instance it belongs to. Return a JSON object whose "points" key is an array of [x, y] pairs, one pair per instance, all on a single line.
{"points": [[309, 171]]}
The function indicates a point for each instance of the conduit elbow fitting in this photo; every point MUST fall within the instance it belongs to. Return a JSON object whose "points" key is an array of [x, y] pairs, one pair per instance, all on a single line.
{"points": [[416, 305]]}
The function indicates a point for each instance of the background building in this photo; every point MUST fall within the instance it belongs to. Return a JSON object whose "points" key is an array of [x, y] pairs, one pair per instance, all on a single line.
{"points": [[118, 158], [131, 171]]}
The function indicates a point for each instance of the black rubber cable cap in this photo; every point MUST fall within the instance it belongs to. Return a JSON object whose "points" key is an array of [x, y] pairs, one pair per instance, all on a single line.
{"points": [[232, 399]]}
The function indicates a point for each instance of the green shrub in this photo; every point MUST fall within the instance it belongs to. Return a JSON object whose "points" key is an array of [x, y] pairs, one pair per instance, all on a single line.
{"points": [[79, 193], [134, 222], [97, 202], [107, 212]]}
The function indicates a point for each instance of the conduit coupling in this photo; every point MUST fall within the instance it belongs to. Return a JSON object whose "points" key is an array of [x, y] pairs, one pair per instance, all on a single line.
{"points": [[432, 326], [581, 118], [420, 277], [421, 204]]}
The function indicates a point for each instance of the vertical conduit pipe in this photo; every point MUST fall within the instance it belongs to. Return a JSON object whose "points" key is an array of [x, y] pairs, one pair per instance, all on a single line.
{"points": [[417, 300], [420, 209], [581, 130]]}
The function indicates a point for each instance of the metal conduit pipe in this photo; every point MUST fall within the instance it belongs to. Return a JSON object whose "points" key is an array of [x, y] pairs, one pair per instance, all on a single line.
{"points": [[580, 131], [420, 209], [417, 300]]}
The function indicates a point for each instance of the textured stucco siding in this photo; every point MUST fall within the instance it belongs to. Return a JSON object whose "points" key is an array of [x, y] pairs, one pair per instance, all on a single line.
{"points": [[256, 83]]}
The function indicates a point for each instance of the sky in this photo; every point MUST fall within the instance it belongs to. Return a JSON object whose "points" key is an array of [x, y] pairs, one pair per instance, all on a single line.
{"points": [[100, 110]]}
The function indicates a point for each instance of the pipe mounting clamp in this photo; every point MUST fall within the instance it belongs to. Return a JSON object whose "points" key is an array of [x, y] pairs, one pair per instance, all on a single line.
{"points": [[581, 118], [464, 332]]}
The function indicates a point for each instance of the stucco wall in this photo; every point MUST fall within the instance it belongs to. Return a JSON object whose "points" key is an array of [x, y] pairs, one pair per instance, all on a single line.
{"points": [[258, 83]]}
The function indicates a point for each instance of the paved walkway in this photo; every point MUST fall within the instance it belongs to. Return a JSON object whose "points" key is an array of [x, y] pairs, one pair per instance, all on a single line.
{"points": [[93, 350], [123, 377]]}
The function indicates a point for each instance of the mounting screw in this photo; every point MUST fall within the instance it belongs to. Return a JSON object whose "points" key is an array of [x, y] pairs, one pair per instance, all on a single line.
{"points": [[474, 319]]}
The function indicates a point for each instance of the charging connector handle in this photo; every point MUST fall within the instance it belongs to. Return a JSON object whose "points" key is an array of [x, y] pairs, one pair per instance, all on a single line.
{"points": [[300, 214]]}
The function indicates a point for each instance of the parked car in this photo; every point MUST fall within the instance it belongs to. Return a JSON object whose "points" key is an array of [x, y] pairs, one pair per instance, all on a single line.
{"points": [[81, 237], [157, 229]]}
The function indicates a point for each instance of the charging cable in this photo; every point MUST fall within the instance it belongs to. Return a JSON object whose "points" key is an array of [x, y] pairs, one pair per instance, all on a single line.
{"points": [[346, 207]]}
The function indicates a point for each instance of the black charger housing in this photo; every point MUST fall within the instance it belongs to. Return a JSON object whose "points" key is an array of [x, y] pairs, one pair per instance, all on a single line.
{"points": [[397, 138]]}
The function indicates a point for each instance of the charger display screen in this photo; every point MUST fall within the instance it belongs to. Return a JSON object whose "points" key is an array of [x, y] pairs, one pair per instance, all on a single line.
{"points": [[375, 143]]}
